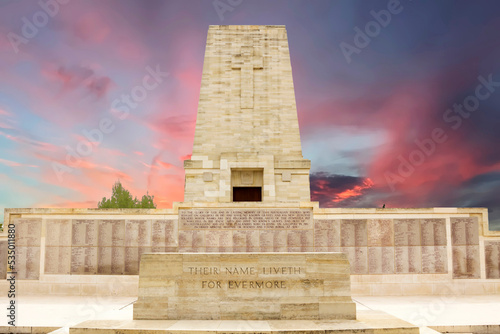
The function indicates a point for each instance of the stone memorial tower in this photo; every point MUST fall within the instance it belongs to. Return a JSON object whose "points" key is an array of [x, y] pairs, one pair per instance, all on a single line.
{"points": [[247, 141], [247, 243]]}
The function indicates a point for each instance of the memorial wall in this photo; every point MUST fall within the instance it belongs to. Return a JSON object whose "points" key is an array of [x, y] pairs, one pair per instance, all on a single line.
{"points": [[95, 242]]}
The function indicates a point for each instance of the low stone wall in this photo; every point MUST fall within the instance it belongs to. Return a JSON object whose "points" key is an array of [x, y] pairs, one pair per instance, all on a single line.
{"points": [[391, 251]]}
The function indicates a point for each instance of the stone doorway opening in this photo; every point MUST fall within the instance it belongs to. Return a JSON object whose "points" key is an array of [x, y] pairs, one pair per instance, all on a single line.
{"points": [[247, 185]]}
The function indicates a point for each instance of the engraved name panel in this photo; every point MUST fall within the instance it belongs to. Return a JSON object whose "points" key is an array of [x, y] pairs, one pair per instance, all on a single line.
{"points": [[407, 232], [464, 231], [327, 235], [3, 259], [492, 258], [58, 232], [353, 233], [28, 237], [465, 247], [466, 261], [433, 232], [57, 260], [28, 231], [380, 232], [408, 260]]}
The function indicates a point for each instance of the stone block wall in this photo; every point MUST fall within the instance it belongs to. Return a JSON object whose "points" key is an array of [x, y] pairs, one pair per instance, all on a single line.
{"points": [[422, 251]]}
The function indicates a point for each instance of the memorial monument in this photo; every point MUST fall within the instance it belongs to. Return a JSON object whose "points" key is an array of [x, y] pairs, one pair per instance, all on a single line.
{"points": [[247, 243]]}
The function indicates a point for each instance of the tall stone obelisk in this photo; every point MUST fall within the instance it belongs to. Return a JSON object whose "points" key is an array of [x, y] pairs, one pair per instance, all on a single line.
{"points": [[247, 141]]}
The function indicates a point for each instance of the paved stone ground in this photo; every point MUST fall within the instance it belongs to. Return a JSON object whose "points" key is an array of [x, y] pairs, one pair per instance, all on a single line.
{"points": [[437, 310], [419, 310]]}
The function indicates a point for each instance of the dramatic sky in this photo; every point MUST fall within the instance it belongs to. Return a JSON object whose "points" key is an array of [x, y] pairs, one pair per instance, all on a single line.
{"points": [[402, 111]]}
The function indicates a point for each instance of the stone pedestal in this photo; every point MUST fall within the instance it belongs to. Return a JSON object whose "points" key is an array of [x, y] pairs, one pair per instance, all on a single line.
{"points": [[244, 286]]}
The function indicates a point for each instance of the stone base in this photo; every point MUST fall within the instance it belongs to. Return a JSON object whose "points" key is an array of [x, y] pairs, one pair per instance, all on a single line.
{"points": [[249, 286], [368, 322]]}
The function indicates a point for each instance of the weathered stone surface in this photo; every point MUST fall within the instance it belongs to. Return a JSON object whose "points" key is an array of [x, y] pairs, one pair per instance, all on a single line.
{"points": [[492, 255], [407, 232], [368, 322], [28, 232], [58, 232], [242, 219], [433, 232], [466, 261], [3, 259], [247, 119], [464, 231], [57, 260], [244, 286]]}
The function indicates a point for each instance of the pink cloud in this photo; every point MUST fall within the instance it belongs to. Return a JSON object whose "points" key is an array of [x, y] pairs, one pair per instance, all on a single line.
{"points": [[92, 27], [5, 113], [6, 126], [36, 144], [72, 78], [16, 164]]}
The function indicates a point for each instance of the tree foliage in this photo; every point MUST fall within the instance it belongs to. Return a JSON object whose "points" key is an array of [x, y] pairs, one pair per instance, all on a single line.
{"points": [[121, 198]]}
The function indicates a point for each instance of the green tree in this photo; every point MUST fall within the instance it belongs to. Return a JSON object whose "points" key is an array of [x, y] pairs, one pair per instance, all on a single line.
{"points": [[121, 198]]}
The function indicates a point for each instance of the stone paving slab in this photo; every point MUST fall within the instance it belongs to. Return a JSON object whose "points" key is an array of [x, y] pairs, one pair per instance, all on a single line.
{"points": [[52, 311], [368, 322]]}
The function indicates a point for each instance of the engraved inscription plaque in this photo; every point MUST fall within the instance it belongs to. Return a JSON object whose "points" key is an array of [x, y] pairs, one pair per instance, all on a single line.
{"points": [[433, 232], [381, 260], [464, 231], [273, 241], [407, 232], [84, 260], [57, 260], [27, 262], [219, 241], [380, 232], [191, 241], [434, 260], [84, 233], [492, 257], [133, 258], [353, 233], [58, 232], [165, 235], [236, 286], [246, 241], [300, 241], [3, 259], [28, 231], [111, 260], [138, 233], [245, 219], [27, 257], [358, 259], [327, 235], [466, 261], [111, 233], [408, 260]]}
